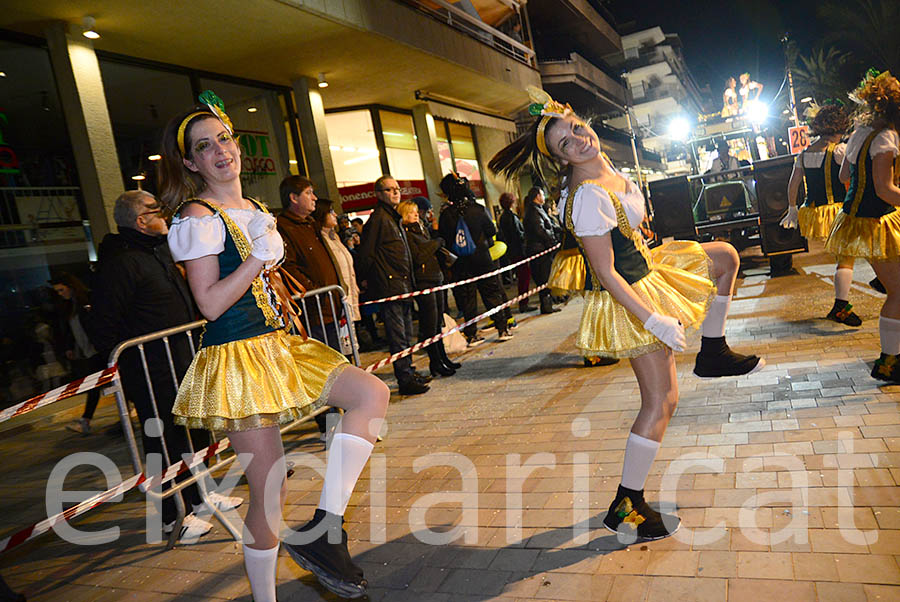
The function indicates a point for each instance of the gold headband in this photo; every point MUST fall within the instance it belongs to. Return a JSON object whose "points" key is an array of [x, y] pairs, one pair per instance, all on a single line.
{"points": [[547, 108], [183, 127], [541, 143]]}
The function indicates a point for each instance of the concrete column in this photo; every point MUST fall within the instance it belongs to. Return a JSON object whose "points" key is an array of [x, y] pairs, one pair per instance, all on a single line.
{"points": [[423, 122], [83, 100], [314, 134]]}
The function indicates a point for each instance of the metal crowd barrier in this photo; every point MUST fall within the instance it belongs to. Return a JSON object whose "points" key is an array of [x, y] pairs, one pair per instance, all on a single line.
{"points": [[331, 334]]}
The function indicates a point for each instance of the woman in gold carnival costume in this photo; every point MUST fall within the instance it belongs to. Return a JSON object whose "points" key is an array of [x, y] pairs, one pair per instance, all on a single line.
{"points": [[730, 106], [641, 302], [818, 167], [249, 376], [868, 224]]}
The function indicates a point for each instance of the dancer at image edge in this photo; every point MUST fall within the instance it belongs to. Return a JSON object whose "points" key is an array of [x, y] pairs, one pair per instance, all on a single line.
{"points": [[249, 375], [868, 224], [818, 167], [641, 301]]}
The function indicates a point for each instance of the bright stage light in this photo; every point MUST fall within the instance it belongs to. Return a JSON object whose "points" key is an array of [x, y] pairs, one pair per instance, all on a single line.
{"points": [[757, 112], [679, 128]]}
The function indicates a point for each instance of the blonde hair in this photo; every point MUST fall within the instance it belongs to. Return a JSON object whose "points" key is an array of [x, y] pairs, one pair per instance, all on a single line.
{"points": [[405, 208]]}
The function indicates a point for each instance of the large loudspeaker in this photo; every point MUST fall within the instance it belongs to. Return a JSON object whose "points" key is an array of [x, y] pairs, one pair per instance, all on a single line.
{"points": [[772, 178], [673, 213]]}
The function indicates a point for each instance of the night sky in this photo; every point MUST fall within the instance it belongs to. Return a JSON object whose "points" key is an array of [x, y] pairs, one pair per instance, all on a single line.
{"points": [[727, 37]]}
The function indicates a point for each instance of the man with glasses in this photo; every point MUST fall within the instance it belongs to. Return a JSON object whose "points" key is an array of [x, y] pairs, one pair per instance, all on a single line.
{"points": [[385, 258], [138, 290]]}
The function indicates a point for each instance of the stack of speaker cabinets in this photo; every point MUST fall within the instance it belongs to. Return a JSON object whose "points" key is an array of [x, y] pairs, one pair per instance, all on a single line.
{"points": [[673, 213], [771, 189]]}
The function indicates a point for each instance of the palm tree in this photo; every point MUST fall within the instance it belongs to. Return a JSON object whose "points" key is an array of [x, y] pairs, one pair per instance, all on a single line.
{"points": [[820, 74], [868, 28]]}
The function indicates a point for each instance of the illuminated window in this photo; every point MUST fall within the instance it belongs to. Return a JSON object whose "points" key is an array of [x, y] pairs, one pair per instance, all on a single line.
{"points": [[401, 146], [354, 151]]}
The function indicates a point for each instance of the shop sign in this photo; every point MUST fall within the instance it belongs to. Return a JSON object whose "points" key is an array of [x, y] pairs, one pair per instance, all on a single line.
{"points": [[256, 160], [362, 196]]}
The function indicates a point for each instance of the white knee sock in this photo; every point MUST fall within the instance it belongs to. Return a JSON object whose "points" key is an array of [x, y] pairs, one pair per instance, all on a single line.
{"points": [[639, 455], [842, 279], [347, 456], [261, 566], [714, 323], [890, 335]]}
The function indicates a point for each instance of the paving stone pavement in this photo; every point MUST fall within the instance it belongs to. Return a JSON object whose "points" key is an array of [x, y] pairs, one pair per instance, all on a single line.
{"points": [[492, 486]]}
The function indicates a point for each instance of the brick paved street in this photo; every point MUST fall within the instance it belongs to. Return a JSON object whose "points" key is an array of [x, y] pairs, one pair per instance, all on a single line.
{"points": [[787, 487]]}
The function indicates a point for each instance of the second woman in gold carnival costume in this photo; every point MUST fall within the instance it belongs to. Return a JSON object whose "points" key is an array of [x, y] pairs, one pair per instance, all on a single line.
{"points": [[641, 302], [868, 225], [249, 375], [818, 167]]}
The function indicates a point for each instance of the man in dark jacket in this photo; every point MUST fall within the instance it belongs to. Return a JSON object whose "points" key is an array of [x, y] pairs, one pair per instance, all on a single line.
{"points": [[481, 228], [139, 290], [540, 235], [513, 234], [385, 259]]}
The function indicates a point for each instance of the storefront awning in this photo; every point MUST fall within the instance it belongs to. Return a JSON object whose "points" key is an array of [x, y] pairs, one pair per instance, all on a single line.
{"points": [[471, 117]]}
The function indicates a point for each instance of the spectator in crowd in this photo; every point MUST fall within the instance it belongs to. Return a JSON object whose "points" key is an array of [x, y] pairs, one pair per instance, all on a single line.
{"points": [[384, 256], [463, 210], [512, 232], [326, 219], [357, 224], [427, 271], [307, 259], [72, 332], [139, 290], [540, 235]]}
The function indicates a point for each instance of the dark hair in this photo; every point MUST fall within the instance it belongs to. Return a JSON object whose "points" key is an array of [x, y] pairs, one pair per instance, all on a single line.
{"points": [[292, 185], [176, 182], [507, 200], [522, 152], [80, 293], [323, 208], [356, 220], [532, 194], [381, 180], [830, 120]]}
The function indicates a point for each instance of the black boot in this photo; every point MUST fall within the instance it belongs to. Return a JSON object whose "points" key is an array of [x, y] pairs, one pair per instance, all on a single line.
{"points": [[842, 314], [632, 518], [435, 363], [547, 305], [717, 359], [887, 368], [329, 562], [447, 361]]}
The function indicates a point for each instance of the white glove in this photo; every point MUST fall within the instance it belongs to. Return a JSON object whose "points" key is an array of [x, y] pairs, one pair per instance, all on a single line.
{"points": [[267, 243], [791, 220], [667, 329]]}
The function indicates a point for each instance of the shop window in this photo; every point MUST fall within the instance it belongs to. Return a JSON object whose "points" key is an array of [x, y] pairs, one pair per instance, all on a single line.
{"points": [[445, 154], [464, 157], [401, 146], [354, 152], [140, 102], [259, 120]]}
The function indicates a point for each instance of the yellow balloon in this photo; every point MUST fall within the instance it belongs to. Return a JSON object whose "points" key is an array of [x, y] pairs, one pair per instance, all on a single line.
{"points": [[497, 250]]}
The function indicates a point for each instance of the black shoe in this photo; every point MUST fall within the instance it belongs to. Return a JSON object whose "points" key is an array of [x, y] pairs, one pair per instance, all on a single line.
{"points": [[633, 519], [599, 360], [716, 359], [887, 368], [413, 387], [329, 562], [876, 284], [547, 306], [841, 314], [526, 308], [446, 360], [440, 368]]}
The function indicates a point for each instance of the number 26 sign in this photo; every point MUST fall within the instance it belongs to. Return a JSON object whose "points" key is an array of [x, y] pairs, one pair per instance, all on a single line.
{"points": [[799, 138]]}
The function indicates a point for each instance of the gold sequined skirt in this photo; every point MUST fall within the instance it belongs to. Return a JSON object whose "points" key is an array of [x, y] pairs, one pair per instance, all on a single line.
{"points": [[567, 273], [680, 284], [816, 222], [874, 238], [257, 382]]}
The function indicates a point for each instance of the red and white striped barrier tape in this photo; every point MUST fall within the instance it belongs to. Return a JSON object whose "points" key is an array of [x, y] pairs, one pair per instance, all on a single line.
{"points": [[39, 528], [409, 350], [181, 466], [92, 381], [449, 285]]}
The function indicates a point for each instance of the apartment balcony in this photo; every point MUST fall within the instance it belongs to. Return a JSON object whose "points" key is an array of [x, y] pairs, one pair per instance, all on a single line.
{"points": [[564, 26], [584, 85]]}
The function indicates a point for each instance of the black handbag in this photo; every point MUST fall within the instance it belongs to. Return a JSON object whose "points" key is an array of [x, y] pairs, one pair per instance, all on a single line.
{"points": [[447, 258]]}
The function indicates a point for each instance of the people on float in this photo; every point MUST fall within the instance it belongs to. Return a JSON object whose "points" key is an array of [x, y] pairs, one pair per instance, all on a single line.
{"points": [[730, 106], [868, 225], [749, 91], [819, 168], [641, 302], [249, 375]]}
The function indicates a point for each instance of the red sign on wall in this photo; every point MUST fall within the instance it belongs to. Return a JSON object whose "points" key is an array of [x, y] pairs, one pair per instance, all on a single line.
{"points": [[362, 196]]}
